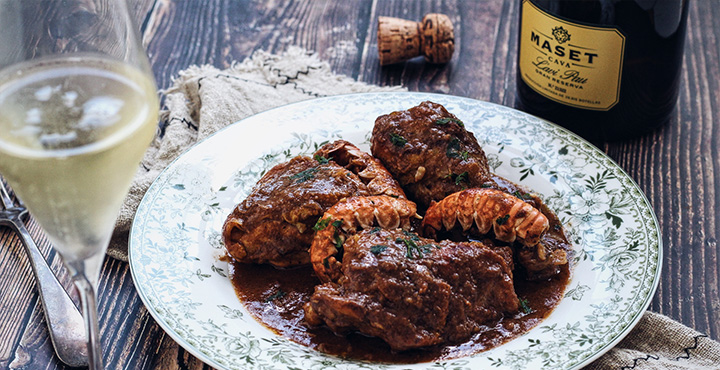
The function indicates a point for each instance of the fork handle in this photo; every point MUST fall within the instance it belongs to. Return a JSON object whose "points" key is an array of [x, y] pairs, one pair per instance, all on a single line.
{"points": [[65, 323]]}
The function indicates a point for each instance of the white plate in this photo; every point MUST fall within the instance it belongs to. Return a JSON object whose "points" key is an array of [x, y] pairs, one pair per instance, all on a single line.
{"points": [[175, 241]]}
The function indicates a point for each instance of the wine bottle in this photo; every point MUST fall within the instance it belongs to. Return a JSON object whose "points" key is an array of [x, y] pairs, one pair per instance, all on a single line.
{"points": [[606, 69]]}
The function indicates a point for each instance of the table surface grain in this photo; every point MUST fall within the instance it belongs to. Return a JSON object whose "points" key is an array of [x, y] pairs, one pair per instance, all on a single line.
{"points": [[675, 166]]}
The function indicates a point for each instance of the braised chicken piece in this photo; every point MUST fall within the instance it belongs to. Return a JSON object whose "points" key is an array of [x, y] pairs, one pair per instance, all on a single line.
{"points": [[274, 224], [432, 156], [414, 292], [429, 152]]}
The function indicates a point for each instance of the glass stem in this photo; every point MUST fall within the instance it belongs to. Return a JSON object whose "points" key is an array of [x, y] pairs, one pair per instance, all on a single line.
{"points": [[89, 309]]}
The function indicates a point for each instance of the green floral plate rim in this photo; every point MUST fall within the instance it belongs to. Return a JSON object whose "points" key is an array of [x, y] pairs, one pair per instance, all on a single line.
{"points": [[175, 242]]}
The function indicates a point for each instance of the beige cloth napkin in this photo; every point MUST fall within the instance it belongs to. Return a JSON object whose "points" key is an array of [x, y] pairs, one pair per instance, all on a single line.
{"points": [[658, 342], [205, 99]]}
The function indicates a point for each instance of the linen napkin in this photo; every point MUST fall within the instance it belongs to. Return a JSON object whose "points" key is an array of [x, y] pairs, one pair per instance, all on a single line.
{"points": [[203, 99], [658, 342]]}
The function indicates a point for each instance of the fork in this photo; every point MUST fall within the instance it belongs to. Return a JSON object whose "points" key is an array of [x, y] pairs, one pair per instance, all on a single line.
{"points": [[65, 323]]}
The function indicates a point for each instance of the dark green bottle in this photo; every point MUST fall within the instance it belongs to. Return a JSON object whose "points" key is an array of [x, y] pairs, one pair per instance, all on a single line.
{"points": [[606, 69]]}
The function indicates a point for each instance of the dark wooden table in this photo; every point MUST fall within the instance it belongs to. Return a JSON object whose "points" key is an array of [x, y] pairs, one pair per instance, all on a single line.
{"points": [[675, 166]]}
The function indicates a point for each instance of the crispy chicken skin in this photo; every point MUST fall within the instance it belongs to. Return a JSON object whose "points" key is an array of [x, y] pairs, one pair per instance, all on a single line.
{"points": [[429, 152], [274, 223], [414, 292]]}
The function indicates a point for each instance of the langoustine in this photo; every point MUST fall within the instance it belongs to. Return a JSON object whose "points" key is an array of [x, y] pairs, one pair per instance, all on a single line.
{"points": [[346, 217], [511, 219]]}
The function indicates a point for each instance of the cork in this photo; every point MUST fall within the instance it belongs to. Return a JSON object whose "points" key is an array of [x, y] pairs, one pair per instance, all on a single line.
{"points": [[401, 39]]}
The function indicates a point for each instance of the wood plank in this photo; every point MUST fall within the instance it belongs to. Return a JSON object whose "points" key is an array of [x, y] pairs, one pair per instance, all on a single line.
{"points": [[18, 294], [675, 166]]}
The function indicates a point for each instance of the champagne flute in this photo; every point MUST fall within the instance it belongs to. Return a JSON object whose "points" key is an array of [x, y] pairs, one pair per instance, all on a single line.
{"points": [[78, 108]]}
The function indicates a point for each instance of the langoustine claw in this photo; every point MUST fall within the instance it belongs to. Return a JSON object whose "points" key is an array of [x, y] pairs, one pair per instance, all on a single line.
{"points": [[346, 217], [377, 178], [510, 218]]}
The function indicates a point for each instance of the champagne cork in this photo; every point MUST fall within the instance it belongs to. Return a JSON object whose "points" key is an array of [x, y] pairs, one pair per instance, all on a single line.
{"points": [[401, 39]]}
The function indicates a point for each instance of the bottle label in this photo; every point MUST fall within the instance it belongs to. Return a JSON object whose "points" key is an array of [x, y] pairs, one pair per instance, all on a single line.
{"points": [[573, 64]]}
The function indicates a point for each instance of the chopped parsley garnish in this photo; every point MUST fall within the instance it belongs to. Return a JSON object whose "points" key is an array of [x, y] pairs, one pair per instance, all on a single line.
{"points": [[520, 195], [338, 242], [305, 175], [414, 251], [322, 160], [397, 140], [502, 220], [453, 150], [374, 230], [326, 263], [412, 236], [321, 224], [337, 238], [274, 296], [524, 306], [446, 120], [377, 249], [458, 178]]}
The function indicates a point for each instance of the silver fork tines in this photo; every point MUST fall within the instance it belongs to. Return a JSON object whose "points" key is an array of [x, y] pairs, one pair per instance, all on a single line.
{"points": [[65, 323]]}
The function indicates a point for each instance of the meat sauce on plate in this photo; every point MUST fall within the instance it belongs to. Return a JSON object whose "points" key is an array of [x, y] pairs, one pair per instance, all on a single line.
{"points": [[452, 297], [275, 297]]}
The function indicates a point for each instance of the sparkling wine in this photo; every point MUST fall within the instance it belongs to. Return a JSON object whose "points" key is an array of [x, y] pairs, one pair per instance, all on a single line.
{"points": [[72, 132]]}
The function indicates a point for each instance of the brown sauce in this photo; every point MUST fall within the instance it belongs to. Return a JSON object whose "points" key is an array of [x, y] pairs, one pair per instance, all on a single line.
{"points": [[276, 297]]}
